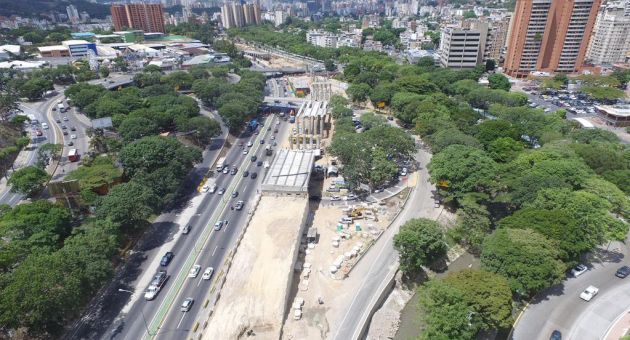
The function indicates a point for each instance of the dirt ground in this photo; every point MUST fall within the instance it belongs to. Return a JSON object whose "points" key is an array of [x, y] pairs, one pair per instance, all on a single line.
{"points": [[254, 294], [318, 285]]}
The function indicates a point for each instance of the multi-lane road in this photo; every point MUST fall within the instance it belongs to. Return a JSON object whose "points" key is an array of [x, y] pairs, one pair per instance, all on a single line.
{"points": [[132, 317]]}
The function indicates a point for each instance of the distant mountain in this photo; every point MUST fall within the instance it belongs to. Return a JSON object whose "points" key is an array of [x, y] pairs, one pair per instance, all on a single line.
{"points": [[43, 8]]}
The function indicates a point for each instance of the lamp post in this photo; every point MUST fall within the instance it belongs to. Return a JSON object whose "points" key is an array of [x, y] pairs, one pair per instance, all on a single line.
{"points": [[141, 311]]}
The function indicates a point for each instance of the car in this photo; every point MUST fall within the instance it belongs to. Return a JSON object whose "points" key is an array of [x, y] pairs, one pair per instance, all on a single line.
{"points": [[578, 270], [436, 204], [589, 293], [256, 132], [226, 170], [268, 129], [239, 205], [58, 121], [623, 272], [335, 198], [186, 229], [350, 197], [254, 158], [245, 151], [70, 143], [274, 143], [234, 194], [207, 274], [64, 127], [72, 128], [54, 108], [44, 126], [273, 138], [166, 259], [555, 335], [187, 304], [73, 136], [240, 144], [262, 141], [39, 132], [275, 130], [221, 191], [254, 175], [249, 144], [218, 225], [246, 173], [205, 188], [234, 171], [65, 133], [259, 163], [194, 271]]}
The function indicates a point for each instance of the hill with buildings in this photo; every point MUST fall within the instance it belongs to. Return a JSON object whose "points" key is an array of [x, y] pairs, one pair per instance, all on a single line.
{"points": [[48, 8]]}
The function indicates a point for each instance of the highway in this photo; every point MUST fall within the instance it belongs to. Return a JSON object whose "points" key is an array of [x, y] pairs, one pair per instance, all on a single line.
{"points": [[560, 307], [203, 246]]}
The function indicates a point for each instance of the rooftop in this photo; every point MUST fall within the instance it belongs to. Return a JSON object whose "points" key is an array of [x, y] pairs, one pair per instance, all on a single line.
{"points": [[52, 48], [290, 171], [313, 108], [615, 110]]}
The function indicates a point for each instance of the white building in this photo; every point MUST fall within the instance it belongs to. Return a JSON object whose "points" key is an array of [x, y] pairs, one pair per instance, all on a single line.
{"points": [[463, 47], [611, 35], [73, 14], [321, 38]]}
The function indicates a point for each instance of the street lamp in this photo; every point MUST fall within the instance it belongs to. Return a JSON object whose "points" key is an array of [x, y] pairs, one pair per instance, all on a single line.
{"points": [[141, 311]]}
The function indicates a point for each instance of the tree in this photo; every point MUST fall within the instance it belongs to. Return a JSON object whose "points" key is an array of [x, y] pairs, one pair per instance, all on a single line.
{"points": [[529, 261], [427, 62], [359, 92], [447, 314], [103, 71], [460, 169], [450, 136], [8, 104], [473, 222], [505, 149], [603, 93], [28, 180], [179, 80], [134, 128], [487, 294], [470, 15], [100, 172], [35, 88], [233, 114], [205, 129], [149, 154], [128, 204], [330, 66], [420, 242], [499, 81]]}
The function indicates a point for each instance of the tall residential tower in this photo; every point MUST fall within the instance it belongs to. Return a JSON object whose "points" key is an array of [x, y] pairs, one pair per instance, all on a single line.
{"points": [[146, 17], [549, 36]]}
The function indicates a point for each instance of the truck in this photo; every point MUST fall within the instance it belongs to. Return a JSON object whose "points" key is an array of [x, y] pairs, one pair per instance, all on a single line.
{"points": [[268, 150], [266, 165], [221, 164], [156, 285], [253, 124], [61, 107]]}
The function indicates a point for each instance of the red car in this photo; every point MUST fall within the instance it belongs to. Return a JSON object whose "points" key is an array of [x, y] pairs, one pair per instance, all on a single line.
{"points": [[39, 133]]}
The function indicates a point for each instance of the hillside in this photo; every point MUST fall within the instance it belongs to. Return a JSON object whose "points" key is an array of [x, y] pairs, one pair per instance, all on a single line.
{"points": [[42, 8]]}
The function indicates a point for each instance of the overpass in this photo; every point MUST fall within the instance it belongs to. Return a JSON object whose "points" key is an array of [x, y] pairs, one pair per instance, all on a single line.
{"points": [[113, 81]]}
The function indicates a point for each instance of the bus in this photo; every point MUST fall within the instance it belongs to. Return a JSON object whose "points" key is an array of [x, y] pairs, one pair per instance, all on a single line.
{"points": [[73, 155]]}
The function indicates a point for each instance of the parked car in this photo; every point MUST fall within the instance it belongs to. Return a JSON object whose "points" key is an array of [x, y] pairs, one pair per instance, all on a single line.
{"points": [[578, 270], [166, 259], [623, 272], [335, 198], [186, 229], [589, 293]]}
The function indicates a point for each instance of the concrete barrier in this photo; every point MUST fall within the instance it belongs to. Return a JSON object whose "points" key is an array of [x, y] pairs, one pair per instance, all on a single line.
{"points": [[375, 304]]}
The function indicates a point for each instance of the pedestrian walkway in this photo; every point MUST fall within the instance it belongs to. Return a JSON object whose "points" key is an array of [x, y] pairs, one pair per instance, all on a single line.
{"points": [[619, 327]]}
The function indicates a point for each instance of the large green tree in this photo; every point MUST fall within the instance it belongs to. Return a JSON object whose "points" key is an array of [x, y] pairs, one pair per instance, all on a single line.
{"points": [[530, 261], [420, 242], [28, 180]]}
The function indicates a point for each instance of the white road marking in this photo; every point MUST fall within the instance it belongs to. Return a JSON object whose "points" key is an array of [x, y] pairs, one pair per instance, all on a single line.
{"points": [[182, 319], [215, 250]]}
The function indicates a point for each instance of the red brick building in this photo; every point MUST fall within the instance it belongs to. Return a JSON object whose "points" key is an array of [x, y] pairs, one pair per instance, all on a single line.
{"points": [[146, 17]]}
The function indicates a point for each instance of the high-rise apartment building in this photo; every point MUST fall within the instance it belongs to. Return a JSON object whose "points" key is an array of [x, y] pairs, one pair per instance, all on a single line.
{"points": [[463, 47], [497, 38], [611, 36], [549, 36], [73, 14], [237, 15], [146, 17]]}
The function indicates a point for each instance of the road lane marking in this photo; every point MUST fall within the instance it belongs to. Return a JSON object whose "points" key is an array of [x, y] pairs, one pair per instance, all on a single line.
{"points": [[182, 319], [178, 284], [215, 250]]}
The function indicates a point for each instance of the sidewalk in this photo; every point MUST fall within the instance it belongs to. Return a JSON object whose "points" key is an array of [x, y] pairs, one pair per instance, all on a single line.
{"points": [[619, 327], [21, 161]]}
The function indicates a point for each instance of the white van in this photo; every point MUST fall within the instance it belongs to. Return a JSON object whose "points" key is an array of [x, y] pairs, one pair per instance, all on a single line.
{"points": [[44, 126]]}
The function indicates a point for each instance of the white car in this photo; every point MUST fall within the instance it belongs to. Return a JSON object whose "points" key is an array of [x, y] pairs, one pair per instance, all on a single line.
{"points": [[73, 136], [187, 304], [205, 188], [207, 274], [245, 151], [65, 119], [226, 170], [249, 144], [194, 271], [578, 270], [589, 293], [335, 198]]}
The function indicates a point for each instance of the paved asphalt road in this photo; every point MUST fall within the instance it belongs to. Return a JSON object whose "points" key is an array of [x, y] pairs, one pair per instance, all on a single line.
{"points": [[188, 249], [38, 109], [561, 308], [371, 273]]}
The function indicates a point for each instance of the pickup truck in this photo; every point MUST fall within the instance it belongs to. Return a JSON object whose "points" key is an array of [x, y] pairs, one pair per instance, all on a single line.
{"points": [[156, 285]]}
